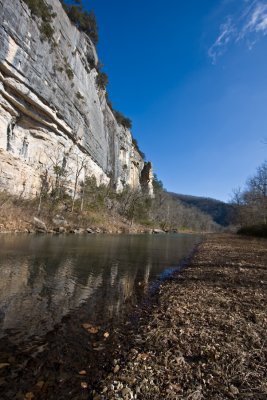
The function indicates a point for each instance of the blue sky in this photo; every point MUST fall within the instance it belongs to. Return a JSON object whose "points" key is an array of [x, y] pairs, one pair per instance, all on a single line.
{"points": [[192, 76]]}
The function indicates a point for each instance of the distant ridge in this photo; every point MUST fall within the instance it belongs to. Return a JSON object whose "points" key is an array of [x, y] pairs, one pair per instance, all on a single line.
{"points": [[220, 212]]}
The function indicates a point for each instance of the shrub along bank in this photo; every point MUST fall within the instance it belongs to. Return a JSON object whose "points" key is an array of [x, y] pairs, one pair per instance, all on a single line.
{"points": [[98, 207]]}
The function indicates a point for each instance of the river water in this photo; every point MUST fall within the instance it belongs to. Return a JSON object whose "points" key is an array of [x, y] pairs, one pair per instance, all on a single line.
{"points": [[51, 285]]}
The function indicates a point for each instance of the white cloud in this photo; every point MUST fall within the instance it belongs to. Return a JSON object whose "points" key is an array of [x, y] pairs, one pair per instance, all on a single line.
{"points": [[256, 20], [249, 23], [227, 33]]}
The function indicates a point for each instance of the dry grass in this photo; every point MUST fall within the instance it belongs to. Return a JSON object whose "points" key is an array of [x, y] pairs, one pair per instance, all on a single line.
{"points": [[16, 215], [206, 339]]}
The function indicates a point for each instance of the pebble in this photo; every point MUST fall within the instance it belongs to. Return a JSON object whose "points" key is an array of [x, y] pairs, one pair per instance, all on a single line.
{"points": [[29, 396], [234, 389], [116, 369], [127, 393]]}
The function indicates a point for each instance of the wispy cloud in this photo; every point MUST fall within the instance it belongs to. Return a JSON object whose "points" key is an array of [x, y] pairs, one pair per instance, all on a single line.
{"points": [[227, 33], [249, 23]]}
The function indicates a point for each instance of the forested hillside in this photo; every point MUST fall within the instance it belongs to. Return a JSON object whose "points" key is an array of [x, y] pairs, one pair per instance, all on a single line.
{"points": [[221, 213]]}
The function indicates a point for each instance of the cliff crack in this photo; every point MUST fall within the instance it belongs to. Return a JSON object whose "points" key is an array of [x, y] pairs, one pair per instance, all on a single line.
{"points": [[10, 133]]}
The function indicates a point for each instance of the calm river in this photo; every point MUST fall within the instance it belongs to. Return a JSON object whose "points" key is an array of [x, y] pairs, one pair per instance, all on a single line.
{"points": [[51, 285]]}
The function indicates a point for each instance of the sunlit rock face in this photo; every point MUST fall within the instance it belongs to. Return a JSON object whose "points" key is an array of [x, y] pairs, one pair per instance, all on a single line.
{"points": [[50, 105], [146, 178]]}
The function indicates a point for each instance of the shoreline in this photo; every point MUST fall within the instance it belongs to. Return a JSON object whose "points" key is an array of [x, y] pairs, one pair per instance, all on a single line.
{"points": [[199, 334], [101, 231], [21, 215], [204, 336], [49, 368]]}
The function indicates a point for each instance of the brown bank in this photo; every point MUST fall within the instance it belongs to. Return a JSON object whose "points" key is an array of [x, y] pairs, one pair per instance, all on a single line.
{"points": [[206, 337]]}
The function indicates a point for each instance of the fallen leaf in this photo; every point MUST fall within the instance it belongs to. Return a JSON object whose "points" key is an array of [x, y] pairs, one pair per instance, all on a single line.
{"points": [[86, 326], [3, 365], [29, 396], [40, 384], [99, 348], [83, 372], [143, 356], [93, 330]]}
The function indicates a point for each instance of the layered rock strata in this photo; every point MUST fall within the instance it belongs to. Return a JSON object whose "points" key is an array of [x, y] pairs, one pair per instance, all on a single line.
{"points": [[52, 111]]}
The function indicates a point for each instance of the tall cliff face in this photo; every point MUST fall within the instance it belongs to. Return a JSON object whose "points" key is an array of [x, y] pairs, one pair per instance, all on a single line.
{"points": [[51, 107]]}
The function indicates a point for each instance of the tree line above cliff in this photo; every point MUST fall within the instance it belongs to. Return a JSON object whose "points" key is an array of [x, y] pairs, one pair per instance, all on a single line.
{"points": [[82, 19]]}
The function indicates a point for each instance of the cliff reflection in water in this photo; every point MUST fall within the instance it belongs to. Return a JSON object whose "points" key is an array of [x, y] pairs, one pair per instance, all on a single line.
{"points": [[43, 278]]}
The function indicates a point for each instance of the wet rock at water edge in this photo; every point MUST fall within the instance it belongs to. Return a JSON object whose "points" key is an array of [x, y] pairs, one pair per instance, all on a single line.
{"points": [[61, 229], [39, 225], [60, 221], [79, 231], [157, 231]]}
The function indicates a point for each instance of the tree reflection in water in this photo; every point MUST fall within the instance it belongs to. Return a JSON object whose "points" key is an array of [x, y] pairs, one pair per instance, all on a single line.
{"points": [[51, 285]]}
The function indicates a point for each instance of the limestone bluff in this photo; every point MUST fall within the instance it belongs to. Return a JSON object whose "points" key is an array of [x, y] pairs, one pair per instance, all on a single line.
{"points": [[50, 103]]}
